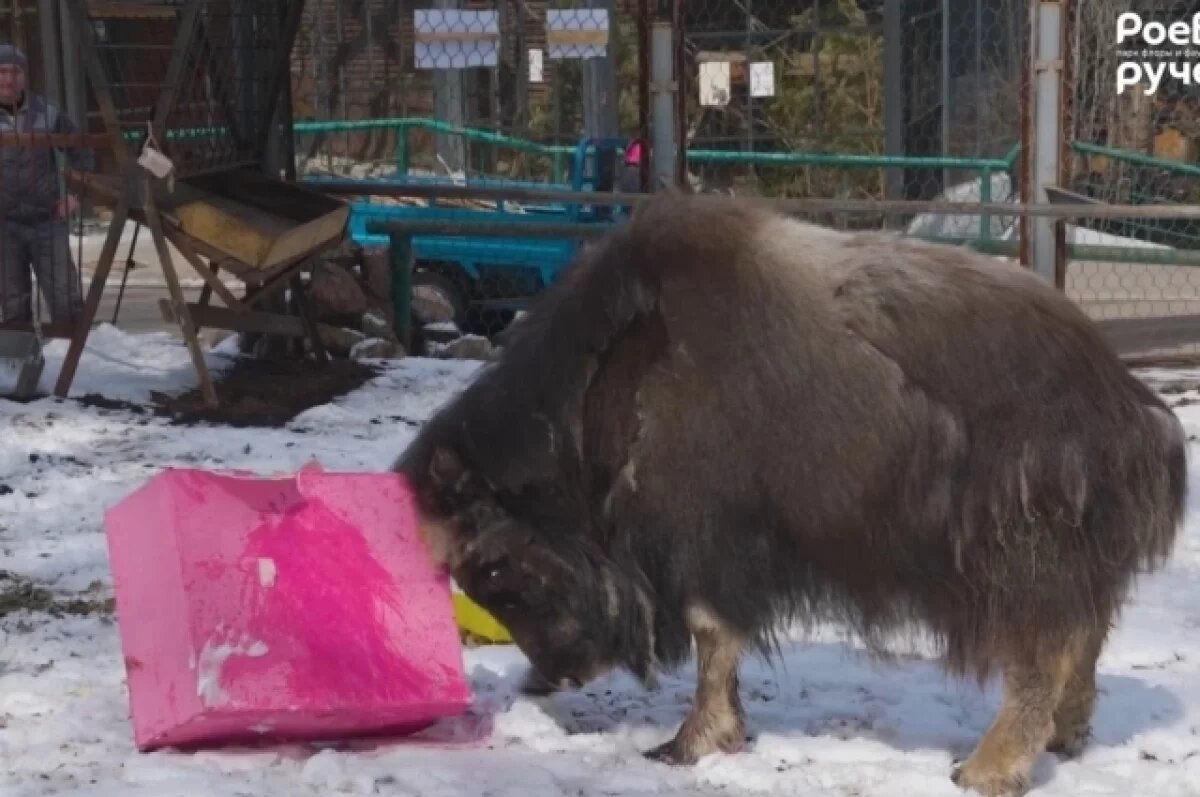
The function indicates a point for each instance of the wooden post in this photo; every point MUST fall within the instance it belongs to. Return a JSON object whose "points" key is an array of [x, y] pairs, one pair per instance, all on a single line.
{"points": [[308, 319], [179, 302], [82, 28], [400, 251], [95, 293]]}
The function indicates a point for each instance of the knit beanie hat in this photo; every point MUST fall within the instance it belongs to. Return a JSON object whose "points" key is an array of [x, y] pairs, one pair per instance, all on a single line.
{"points": [[10, 55]]}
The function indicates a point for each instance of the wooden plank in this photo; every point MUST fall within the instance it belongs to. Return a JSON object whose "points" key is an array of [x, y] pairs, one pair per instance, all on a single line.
{"points": [[111, 10], [49, 329], [464, 36], [184, 35], [308, 318], [101, 90], [576, 38], [1137, 335], [154, 222], [60, 140], [268, 224], [92, 304], [272, 284], [1062, 196], [246, 321], [306, 240], [212, 282], [240, 231]]}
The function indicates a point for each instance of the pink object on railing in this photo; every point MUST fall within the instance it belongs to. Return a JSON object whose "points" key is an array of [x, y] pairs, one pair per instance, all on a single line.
{"points": [[300, 608]]}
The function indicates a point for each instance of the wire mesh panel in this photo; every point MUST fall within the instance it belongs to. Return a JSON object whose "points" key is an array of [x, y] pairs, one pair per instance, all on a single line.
{"points": [[454, 87], [40, 220], [212, 88], [1132, 136], [772, 76], [908, 78]]}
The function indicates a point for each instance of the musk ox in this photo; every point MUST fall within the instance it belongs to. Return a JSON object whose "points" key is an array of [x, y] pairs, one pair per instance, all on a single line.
{"points": [[723, 421]]}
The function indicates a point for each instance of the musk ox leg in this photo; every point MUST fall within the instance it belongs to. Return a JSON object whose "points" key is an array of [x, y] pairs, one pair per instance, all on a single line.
{"points": [[1073, 717], [717, 721], [1002, 763]]}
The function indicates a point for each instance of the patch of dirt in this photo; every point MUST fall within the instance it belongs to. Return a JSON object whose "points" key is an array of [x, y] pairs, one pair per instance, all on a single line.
{"points": [[99, 402], [266, 392], [1176, 388], [20, 594]]}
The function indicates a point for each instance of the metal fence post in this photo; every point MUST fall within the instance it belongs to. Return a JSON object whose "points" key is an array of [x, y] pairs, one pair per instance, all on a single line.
{"points": [[1046, 75], [449, 98], [600, 82], [663, 86], [894, 113]]}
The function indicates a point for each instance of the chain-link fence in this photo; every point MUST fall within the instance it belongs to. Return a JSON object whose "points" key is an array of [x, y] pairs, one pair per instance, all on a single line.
{"points": [[844, 99], [41, 232], [1131, 132], [499, 89], [931, 84]]}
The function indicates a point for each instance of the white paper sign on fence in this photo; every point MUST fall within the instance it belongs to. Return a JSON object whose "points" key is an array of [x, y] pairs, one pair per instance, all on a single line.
{"points": [[576, 32], [762, 79], [537, 68], [454, 39], [714, 83]]}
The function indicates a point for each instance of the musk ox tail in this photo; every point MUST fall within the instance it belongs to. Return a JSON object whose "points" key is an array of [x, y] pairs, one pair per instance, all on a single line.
{"points": [[1161, 479]]}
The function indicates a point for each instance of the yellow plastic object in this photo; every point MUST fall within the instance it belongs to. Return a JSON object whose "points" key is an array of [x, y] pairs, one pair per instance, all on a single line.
{"points": [[474, 619]]}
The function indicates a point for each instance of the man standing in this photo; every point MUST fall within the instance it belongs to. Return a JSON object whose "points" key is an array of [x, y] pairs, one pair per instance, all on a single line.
{"points": [[34, 209]]}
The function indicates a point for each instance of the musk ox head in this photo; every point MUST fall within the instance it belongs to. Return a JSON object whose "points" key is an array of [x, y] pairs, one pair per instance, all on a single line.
{"points": [[570, 608]]}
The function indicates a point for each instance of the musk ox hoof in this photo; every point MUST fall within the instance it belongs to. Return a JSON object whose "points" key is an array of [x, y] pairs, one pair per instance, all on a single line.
{"points": [[671, 753], [685, 749], [534, 685], [990, 782], [1070, 745]]}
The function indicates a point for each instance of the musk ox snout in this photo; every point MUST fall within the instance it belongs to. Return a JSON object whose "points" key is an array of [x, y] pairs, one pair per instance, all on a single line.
{"points": [[574, 615]]}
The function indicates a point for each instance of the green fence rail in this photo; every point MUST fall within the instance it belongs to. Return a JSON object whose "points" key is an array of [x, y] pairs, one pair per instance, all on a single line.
{"points": [[1137, 158], [560, 156], [557, 153]]}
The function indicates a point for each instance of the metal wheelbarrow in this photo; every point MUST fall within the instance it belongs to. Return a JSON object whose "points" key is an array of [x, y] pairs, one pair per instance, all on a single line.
{"points": [[20, 357]]}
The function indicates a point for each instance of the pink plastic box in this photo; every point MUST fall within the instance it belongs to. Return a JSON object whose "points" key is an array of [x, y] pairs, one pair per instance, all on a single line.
{"points": [[300, 608]]}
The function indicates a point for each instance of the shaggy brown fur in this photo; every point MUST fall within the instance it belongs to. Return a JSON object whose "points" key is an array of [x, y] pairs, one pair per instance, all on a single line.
{"points": [[723, 420]]}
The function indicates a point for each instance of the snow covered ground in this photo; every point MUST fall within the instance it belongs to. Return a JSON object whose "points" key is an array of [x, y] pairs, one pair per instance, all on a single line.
{"points": [[824, 720]]}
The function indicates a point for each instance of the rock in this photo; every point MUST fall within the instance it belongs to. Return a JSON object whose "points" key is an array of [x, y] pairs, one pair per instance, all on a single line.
{"points": [[467, 347], [431, 306], [377, 349], [267, 347], [348, 254], [441, 332], [335, 291], [215, 337], [377, 274], [376, 325], [360, 171], [339, 341]]}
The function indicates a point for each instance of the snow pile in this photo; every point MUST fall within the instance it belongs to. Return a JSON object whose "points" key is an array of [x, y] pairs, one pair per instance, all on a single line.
{"points": [[1003, 228]]}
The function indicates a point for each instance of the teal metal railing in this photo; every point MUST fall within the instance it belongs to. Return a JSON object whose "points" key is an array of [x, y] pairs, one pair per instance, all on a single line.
{"points": [[560, 159]]}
